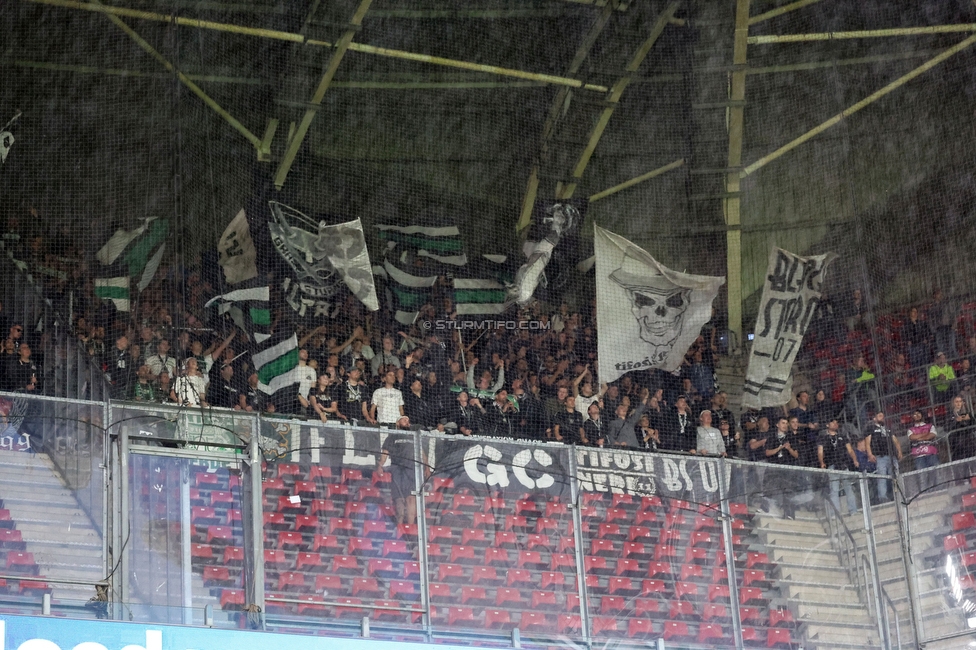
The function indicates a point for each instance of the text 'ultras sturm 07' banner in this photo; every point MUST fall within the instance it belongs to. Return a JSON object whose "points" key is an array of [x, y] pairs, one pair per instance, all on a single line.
{"points": [[791, 296]]}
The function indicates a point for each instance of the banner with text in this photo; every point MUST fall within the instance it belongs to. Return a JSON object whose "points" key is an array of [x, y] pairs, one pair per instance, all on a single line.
{"points": [[790, 299]]}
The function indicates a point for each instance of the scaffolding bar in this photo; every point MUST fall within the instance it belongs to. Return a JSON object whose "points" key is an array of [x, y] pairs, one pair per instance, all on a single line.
{"points": [[867, 33], [637, 179]]}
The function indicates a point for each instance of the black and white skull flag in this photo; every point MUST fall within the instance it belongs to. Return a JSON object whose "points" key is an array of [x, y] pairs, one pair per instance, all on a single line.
{"points": [[789, 301], [323, 258], [647, 315], [7, 138]]}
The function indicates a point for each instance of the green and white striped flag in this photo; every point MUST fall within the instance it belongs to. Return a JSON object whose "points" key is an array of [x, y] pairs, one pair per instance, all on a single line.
{"points": [[410, 292], [440, 243], [479, 297], [131, 255], [249, 308], [275, 364], [114, 289]]}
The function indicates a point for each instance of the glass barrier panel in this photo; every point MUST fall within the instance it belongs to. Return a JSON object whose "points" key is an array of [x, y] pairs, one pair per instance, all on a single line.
{"points": [[501, 539], [337, 547], [799, 569], [939, 504], [186, 538], [51, 516], [652, 547]]}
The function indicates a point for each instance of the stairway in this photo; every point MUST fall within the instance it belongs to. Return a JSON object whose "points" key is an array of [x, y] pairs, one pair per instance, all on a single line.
{"points": [[815, 585], [56, 530]]}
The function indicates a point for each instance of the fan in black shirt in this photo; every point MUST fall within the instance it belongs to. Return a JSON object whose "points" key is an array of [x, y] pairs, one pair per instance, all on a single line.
{"points": [[567, 425]]}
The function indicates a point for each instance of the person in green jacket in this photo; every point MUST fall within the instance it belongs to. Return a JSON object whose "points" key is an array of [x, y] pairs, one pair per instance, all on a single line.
{"points": [[941, 376]]}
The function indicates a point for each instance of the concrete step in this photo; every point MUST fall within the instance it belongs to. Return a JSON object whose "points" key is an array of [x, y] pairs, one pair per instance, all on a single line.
{"points": [[817, 595], [839, 635], [815, 576]]}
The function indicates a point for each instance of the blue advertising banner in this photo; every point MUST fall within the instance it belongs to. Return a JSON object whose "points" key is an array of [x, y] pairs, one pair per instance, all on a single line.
{"points": [[42, 633]]}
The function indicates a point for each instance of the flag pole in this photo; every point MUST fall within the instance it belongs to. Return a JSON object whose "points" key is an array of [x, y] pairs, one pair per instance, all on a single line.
{"points": [[464, 361]]}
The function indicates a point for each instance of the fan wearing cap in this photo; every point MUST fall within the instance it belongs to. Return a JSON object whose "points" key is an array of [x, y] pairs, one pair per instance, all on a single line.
{"points": [[834, 451], [941, 376], [657, 303], [351, 395]]}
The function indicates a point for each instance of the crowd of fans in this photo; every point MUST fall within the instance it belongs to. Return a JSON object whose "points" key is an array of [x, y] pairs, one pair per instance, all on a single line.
{"points": [[536, 384]]}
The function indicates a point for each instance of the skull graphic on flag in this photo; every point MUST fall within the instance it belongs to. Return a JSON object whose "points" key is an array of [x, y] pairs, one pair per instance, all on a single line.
{"points": [[647, 314]]}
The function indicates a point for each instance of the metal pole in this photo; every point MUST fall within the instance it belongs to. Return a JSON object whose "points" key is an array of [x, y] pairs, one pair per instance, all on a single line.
{"points": [[186, 528], [125, 530], [419, 480], [106, 441], [257, 516], [729, 550], [574, 495], [911, 575], [873, 561]]}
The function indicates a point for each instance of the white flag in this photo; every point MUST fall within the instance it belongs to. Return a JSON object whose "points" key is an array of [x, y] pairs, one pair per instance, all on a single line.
{"points": [[647, 315], [235, 251], [6, 141], [790, 298]]}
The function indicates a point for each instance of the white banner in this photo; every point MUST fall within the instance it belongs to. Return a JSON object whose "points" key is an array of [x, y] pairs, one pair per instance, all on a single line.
{"points": [[647, 315], [789, 301], [235, 251]]}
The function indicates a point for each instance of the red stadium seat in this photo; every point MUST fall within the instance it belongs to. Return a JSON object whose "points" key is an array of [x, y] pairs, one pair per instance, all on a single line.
{"points": [[290, 541], [356, 510], [516, 523], [462, 554], [531, 560], [456, 615], [757, 560], [676, 630], [750, 615], [719, 575], [537, 541], [464, 503], [645, 517], [596, 565], [639, 628], [776, 637], [713, 612], [441, 483], [369, 494], [320, 472], [474, 596], [497, 556], [346, 564], [309, 562], [666, 552], [708, 631], [373, 529], [396, 549], [544, 600], [640, 534], [439, 534], [686, 590], [621, 501], [568, 623], [206, 479], [411, 570], [602, 547], [659, 569], [474, 537], [329, 585], [623, 586], [201, 553], [440, 591], [505, 539], [493, 504], [233, 556], [653, 587], [508, 598], [402, 588], [231, 599], [366, 586], [305, 489], [602, 624], [201, 515], [963, 521], [483, 520], [754, 577], [559, 561], [220, 535], [718, 592], [322, 507], [612, 605], [495, 618], [341, 525], [518, 577], [350, 475], [781, 618], [690, 571], [631, 568], [360, 546], [291, 581], [551, 579], [215, 576], [695, 555], [617, 514], [328, 543], [380, 567], [635, 551], [954, 542], [485, 575], [306, 523], [450, 573], [750, 596], [527, 507], [534, 622], [700, 537], [554, 508]]}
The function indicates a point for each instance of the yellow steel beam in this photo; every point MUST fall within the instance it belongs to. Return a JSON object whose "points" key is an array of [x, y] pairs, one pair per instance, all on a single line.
{"points": [[873, 97], [637, 179], [295, 143], [558, 108], [299, 38], [195, 89], [779, 11], [616, 92], [866, 33], [733, 205]]}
